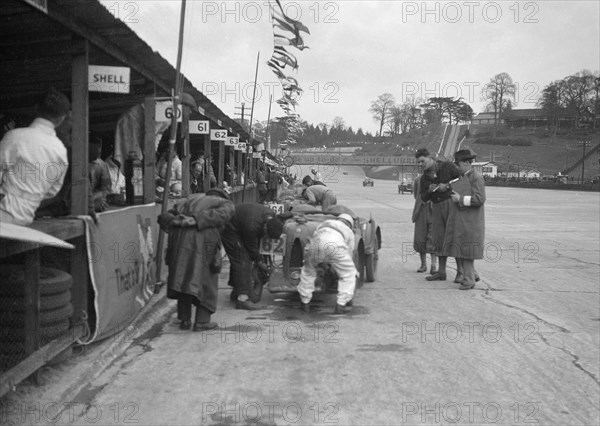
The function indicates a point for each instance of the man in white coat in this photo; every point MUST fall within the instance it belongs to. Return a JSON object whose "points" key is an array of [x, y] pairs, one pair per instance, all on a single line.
{"points": [[331, 244], [33, 161]]}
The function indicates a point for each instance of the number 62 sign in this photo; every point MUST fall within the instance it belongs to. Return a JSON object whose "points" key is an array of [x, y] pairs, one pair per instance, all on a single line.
{"points": [[218, 135]]}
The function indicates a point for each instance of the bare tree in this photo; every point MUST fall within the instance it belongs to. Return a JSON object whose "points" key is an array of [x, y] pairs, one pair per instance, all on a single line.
{"points": [[380, 108], [498, 91]]}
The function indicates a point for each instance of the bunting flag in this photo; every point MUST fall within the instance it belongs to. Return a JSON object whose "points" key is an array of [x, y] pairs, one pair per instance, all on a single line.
{"points": [[286, 33]]}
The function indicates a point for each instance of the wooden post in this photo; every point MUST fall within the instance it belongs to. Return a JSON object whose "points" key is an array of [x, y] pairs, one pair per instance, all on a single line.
{"points": [[221, 163], [232, 166], [79, 290], [185, 160], [240, 166], [207, 161], [79, 133], [149, 151]]}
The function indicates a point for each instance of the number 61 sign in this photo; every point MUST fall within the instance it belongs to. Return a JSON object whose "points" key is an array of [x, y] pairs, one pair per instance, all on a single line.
{"points": [[199, 127]]}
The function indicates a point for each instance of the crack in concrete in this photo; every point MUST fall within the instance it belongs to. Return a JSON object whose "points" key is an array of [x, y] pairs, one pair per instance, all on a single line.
{"points": [[526, 312], [555, 251], [574, 361]]}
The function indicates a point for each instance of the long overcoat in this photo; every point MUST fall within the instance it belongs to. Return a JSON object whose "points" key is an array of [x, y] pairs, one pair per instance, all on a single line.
{"points": [[192, 250], [465, 231], [422, 218]]}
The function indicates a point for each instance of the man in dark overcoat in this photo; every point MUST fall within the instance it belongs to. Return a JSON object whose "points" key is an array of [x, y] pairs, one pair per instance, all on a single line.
{"points": [[439, 193], [465, 233], [194, 254], [241, 239]]}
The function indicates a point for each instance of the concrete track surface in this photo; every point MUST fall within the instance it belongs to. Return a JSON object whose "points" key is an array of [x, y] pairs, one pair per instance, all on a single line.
{"points": [[522, 347]]}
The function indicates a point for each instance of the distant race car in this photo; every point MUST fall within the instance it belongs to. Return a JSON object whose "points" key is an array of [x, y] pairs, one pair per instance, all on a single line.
{"points": [[286, 255], [405, 187], [368, 182]]}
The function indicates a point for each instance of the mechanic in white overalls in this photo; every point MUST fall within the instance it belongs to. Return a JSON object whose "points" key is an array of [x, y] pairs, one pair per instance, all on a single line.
{"points": [[333, 244]]}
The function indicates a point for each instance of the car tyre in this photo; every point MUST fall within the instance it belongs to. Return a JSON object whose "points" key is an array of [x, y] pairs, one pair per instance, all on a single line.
{"points": [[371, 263]]}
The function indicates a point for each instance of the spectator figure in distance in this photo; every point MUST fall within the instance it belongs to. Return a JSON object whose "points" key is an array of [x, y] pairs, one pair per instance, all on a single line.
{"points": [[99, 173], [332, 244], [320, 195], [422, 218], [36, 148], [196, 177], [439, 193], [194, 254], [466, 224], [273, 181], [117, 188], [261, 182], [316, 174], [241, 239]]}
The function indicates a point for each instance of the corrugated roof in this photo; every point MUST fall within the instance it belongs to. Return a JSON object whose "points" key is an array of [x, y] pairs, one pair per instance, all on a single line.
{"points": [[36, 52]]}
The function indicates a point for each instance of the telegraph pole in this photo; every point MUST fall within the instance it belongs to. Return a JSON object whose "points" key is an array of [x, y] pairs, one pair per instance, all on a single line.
{"points": [[242, 113]]}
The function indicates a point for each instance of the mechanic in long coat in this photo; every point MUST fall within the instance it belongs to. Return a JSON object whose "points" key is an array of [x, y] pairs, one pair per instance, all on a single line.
{"points": [[331, 244], [194, 254], [465, 233], [422, 218], [241, 239], [438, 191]]}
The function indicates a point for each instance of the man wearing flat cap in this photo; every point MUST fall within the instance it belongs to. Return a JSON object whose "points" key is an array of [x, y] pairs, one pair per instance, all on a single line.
{"points": [[465, 232]]}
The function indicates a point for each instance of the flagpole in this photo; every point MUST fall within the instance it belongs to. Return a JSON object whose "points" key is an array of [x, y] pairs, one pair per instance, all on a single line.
{"points": [[250, 128], [176, 96], [268, 127]]}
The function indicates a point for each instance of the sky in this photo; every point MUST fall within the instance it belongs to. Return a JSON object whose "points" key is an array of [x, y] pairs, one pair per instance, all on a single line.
{"points": [[359, 50]]}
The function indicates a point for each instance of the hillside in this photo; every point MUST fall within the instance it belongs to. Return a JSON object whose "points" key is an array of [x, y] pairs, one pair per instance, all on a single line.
{"points": [[518, 149]]}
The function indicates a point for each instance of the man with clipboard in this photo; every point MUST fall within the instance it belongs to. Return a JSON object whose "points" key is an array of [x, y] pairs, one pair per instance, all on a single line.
{"points": [[465, 233]]}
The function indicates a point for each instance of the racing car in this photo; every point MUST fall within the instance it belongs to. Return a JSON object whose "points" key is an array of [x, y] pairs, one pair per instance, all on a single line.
{"points": [[368, 182], [286, 255]]}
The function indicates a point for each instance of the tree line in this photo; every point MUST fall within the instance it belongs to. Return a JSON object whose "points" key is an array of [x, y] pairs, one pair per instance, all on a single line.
{"points": [[576, 95]]}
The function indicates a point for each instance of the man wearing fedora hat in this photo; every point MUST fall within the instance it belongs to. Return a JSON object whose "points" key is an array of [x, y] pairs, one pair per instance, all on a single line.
{"points": [[466, 225]]}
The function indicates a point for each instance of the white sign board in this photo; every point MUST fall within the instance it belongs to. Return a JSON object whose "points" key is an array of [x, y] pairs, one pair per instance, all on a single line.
{"points": [[218, 135], [256, 155], [108, 79], [241, 146], [232, 141], [199, 127], [164, 111]]}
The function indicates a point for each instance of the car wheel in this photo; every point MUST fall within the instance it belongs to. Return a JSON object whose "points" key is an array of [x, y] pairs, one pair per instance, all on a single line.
{"points": [[360, 280], [371, 263]]}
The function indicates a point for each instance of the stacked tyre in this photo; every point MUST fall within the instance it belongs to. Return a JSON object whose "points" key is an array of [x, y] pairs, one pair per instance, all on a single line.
{"points": [[56, 310]]}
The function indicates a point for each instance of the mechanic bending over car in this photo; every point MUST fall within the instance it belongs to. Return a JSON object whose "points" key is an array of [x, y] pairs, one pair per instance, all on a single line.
{"points": [[241, 239], [332, 245], [320, 195]]}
